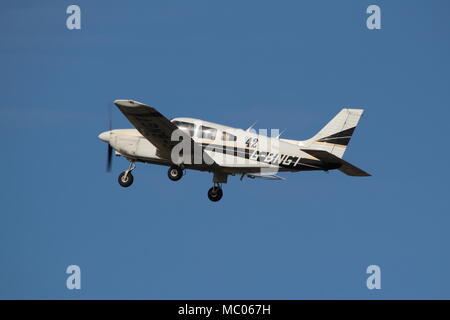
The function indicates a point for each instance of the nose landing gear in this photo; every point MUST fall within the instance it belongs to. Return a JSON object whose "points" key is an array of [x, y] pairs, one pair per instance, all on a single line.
{"points": [[126, 178]]}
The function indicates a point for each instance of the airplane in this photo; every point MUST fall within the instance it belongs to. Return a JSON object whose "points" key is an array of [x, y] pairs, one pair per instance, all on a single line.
{"points": [[193, 144]]}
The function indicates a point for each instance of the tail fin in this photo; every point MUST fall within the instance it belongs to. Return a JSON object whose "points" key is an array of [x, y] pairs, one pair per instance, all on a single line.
{"points": [[336, 135]]}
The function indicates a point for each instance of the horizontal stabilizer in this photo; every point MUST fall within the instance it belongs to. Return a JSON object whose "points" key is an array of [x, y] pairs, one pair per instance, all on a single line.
{"points": [[329, 158], [268, 176]]}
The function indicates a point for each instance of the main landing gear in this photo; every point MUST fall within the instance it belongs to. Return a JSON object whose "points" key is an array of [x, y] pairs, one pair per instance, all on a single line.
{"points": [[175, 173], [126, 178], [215, 193]]}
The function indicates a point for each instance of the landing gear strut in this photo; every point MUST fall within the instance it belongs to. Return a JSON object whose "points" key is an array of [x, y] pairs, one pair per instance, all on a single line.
{"points": [[175, 173], [126, 178], [215, 193]]}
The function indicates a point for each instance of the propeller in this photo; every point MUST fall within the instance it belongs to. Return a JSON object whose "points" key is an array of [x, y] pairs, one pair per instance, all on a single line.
{"points": [[110, 149], [109, 160]]}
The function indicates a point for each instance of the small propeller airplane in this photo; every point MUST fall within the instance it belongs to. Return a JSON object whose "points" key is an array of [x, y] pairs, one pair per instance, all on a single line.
{"points": [[188, 143]]}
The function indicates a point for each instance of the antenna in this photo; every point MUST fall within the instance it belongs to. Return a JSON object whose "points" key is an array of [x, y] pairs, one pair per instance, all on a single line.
{"points": [[251, 127], [278, 136]]}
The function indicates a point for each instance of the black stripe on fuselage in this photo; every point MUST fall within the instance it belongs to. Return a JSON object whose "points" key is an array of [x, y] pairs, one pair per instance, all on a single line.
{"points": [[282, 160]]}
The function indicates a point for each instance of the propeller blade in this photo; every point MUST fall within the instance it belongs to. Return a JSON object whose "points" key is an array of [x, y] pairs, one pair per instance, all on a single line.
{"points": [[110, 117], [110, 149], [109, 160]]}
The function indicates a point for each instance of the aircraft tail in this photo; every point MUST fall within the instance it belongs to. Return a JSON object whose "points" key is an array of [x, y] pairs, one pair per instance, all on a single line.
{"points": [[335, 136]]}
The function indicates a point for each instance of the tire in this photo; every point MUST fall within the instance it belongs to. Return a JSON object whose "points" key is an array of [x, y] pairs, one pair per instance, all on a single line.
{"points": [[175, 173], [125, 182], [215, 194]]}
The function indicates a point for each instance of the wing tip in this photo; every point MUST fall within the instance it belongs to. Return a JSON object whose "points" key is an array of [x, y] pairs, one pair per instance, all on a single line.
{"points": [[354, 171], [127, 103]]}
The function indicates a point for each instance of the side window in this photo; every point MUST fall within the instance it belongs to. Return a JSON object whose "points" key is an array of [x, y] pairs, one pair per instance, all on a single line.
{"points": [[228, 136], [185, 126], [207, 133]]}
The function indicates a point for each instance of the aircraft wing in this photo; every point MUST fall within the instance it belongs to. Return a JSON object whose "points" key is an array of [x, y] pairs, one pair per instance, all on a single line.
{"points": [[155, 127], [344, 167]]}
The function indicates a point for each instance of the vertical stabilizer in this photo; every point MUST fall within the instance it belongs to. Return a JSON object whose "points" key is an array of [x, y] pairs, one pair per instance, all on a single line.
{"points": [[335, 136]]}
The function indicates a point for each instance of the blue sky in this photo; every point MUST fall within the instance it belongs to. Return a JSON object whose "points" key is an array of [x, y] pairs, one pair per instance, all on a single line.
{"points": [[289, 64]]}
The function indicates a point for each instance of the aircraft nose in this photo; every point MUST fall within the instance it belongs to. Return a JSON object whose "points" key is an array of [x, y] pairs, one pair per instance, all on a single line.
{"points": [[104, 136]]}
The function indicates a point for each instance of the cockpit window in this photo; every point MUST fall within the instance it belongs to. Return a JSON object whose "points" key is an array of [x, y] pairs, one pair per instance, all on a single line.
{"points": [[207, 133], [185, 126], [228, 136]]}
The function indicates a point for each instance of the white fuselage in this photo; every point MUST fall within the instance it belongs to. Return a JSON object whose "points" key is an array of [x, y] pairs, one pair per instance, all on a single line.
{"points": [[235, 150], [188, 143]]}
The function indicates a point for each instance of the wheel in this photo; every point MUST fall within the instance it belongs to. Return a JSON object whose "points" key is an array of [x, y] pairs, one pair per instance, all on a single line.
{"points": [[175, 173], [125, 181], [215, 194]]}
